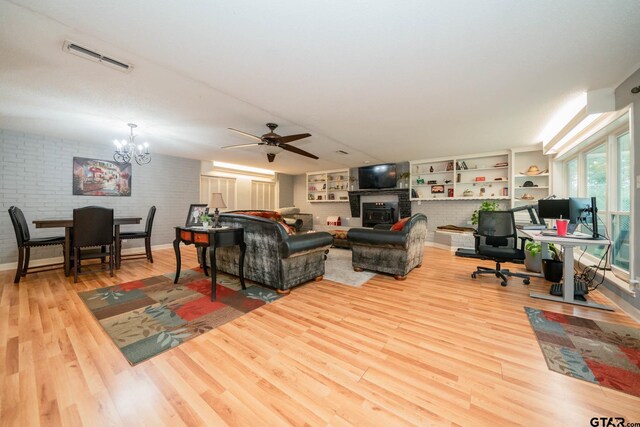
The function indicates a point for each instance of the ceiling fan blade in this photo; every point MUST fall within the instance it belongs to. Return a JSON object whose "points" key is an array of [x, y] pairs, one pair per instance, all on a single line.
{"points": [[291, 138], [246, 134], [297, 151], [253, 144]]}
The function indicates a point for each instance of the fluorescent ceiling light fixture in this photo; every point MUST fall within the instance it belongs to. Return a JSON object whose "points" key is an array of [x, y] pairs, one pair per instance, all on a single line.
{"points": [[562, 118], [224, 165]]}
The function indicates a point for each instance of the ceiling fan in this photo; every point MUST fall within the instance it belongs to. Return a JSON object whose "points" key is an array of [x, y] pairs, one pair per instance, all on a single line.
{"points": [[274, 143]]}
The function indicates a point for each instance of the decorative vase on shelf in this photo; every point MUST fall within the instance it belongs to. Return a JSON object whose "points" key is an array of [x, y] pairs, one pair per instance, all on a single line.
{"points": [[205, 225], [431, 169]]}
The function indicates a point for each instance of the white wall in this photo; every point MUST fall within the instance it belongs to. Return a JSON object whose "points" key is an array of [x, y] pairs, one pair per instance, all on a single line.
{"points": [[36, 176], [285, 190]]}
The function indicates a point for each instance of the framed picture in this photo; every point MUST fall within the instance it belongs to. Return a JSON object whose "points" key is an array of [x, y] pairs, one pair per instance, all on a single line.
{"points": [[193, 218], [450, 166], [435, 189], [93, 177]]}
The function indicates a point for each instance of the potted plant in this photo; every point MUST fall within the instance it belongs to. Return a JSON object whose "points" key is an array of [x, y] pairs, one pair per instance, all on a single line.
{"points": [[485, 206], [533, 255], [204, 219], [552, 268]]}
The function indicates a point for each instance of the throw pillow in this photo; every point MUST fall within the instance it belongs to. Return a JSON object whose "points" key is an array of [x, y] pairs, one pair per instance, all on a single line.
{"points": [[288, 229], [398, 226]]}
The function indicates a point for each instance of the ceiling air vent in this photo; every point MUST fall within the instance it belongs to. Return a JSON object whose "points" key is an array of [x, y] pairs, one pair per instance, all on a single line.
{"points": [[92, 55]]}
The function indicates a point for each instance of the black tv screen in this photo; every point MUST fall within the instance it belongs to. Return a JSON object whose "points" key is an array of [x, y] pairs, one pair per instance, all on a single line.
{"points": [[377, 176]]}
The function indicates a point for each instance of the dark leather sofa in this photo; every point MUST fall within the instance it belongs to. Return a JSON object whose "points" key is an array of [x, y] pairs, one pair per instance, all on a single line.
{"points": [[273, 257], [386, 251]]}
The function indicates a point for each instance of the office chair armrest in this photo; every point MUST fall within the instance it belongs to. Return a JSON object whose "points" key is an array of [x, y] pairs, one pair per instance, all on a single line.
{"points": [[476, 238]]}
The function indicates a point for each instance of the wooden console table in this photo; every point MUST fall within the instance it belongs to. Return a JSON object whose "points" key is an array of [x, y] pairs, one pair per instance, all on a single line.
{"points": [[210, 238]]}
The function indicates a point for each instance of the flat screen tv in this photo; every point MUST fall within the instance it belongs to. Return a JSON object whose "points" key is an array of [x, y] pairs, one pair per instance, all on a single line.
{"points": [[377, 176]]}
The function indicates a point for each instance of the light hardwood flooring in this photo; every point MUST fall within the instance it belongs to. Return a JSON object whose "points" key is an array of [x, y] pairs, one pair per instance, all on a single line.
{"points": [[436, 349]]}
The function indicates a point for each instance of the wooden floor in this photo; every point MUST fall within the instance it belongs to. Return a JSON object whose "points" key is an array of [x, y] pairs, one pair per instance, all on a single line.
{"points": [[436, 349]]}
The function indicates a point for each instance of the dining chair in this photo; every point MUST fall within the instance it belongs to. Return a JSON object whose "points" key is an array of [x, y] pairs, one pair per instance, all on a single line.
{"points": [[146, 235], [26, 242], [92, 227]]}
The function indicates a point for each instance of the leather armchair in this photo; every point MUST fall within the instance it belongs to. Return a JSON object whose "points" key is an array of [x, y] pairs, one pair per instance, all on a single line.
{"points": [[387, 251], [273, 257]]}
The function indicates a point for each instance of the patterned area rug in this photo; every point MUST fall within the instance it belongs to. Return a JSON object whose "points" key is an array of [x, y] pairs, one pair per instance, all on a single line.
{"points": [[602, 353], [146, 317]]}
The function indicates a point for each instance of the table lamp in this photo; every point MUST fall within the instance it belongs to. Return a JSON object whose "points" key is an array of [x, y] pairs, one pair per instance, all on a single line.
{"points": [[216, 201]]}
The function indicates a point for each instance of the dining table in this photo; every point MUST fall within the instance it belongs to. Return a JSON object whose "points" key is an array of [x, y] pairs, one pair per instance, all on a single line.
{"points": [[67, 223]]}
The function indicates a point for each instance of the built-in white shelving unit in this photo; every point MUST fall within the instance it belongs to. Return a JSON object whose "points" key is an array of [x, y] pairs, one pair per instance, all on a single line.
{"points": [[470, 177], [528, 188], [328, 186]]}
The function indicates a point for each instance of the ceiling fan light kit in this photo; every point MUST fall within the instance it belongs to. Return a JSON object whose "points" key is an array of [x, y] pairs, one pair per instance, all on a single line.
{"points": [[272, 143]]}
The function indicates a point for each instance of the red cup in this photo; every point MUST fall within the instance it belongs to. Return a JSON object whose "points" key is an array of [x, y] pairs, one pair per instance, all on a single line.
{"points": [[561, 225]]}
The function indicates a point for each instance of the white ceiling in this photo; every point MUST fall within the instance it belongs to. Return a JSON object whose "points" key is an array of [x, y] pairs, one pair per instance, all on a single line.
{"points": [[382, 80]]}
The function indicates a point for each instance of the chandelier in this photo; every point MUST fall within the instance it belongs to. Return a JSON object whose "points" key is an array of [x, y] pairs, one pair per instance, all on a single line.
{"points": [[127, 150]]}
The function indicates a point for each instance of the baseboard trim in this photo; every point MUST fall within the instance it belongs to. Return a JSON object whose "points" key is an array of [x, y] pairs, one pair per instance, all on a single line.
{"points": [[440, 246], [54, 260]]}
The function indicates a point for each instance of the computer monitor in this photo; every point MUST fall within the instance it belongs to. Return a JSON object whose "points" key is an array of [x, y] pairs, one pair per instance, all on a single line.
{"points": [[577, 210], [553, 208], [584, 211]]}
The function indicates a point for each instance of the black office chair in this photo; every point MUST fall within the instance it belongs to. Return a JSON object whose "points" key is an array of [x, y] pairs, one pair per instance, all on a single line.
{"points": [[25, 243], [497, 240], [146, 235], [92, 227]]}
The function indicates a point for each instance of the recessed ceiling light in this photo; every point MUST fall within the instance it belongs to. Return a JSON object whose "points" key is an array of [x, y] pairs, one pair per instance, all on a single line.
{"points": [[367, 161]]}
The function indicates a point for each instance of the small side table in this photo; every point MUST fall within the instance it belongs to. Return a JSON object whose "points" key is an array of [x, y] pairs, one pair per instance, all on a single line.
{"points": [[211, 238]]}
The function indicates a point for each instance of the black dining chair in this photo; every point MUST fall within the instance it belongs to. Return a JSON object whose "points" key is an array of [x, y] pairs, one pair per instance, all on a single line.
{"points": [[92, 227], [26, 242], [146, 235]]}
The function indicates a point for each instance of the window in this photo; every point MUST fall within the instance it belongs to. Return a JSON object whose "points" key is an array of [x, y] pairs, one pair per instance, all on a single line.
{"points": [[215, 184], [263, 195], [572, 177], [596, 175], [621, 218], [602, 169], [595, 167]]}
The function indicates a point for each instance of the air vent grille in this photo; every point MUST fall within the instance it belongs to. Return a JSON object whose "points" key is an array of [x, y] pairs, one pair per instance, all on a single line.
{"points": [[92, 55]]}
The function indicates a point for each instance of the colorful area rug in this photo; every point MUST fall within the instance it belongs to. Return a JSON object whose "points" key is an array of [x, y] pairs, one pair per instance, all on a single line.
{"points": [[603, 353], [146, 317]]}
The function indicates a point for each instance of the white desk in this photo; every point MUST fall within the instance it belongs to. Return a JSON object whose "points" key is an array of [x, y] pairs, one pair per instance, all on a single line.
{"points": [[568, 244]]}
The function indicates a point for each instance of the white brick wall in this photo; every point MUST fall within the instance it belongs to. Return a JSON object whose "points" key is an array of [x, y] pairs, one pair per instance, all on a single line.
{"points": [[36, 176]]}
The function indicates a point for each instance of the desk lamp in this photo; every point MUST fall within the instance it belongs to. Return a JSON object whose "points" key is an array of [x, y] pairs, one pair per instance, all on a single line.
{"points": [[216, 201]]}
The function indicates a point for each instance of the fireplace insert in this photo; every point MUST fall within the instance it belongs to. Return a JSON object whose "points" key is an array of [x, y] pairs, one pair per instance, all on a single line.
{"points": [[379, 213]]}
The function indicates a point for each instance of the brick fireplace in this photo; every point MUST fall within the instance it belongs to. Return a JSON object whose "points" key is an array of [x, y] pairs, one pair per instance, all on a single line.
{"points": [[402, 206]]}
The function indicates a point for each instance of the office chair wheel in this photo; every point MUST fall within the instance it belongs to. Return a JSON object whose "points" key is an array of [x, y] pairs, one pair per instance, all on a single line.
{"points": [[473, 275], [503, 283], [526, 281]]}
